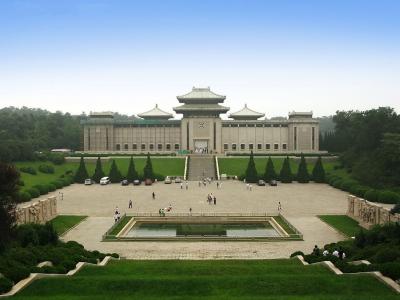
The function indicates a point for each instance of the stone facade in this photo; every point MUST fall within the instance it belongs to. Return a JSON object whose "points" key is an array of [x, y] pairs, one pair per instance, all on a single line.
{"points": [[201, 130], [38, 212], [369, 213]]}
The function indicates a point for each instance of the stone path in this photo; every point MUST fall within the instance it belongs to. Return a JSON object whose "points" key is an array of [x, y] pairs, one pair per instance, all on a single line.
{"points": [[301, 204]]}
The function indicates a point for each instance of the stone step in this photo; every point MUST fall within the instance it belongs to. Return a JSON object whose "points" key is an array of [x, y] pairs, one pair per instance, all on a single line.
{"points": [[201, 167]]}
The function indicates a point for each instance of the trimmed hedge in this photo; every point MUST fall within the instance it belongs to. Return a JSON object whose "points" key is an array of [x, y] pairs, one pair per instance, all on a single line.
{"points": [[24, 196], [51, 187], [43, 189], [371, 195], [34, 192], [5, 285], [47, 169], [388, 197], [29, 170]]}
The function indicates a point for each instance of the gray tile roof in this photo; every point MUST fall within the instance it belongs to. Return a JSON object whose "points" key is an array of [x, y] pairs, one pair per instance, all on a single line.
{"points": [[246, 113], [155, 113], [201, 94]]}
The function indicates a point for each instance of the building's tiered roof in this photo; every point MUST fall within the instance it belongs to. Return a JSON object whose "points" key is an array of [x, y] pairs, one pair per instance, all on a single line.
{"points": [[155, 113], [246, 114], [300, 114], [203, 95]]}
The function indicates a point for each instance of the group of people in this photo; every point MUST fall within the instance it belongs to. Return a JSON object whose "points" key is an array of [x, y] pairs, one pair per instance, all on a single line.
{"points": [[117, 215], [338, 253], [162, 211], [249, 187], [211, 198], [186, 185]]}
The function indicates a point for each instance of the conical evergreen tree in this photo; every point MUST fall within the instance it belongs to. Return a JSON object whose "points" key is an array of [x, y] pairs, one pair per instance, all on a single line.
{"points": [[115, 175], [148, 169], [251, 172], [318, 173], [302, 173], [81, 174], [132, 174], [286, 173], [270, 173], [98, 172]]}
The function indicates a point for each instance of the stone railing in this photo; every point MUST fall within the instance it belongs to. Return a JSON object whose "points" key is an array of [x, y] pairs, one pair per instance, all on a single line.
{"points": [[38, 212], [369, 213]]}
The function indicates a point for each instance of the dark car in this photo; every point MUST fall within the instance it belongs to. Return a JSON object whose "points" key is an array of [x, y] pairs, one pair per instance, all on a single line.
{"points": [[148, 182], [261, 182], [273, 183], [136, 182], [125, 182]]}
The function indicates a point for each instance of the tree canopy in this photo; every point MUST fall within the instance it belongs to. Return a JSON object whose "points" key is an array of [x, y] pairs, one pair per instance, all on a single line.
{"points": [[270, 173], [251, 171]]}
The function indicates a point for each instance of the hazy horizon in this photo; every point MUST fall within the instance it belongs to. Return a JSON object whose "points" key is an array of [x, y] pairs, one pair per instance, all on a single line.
{"points": [[127, 56]]}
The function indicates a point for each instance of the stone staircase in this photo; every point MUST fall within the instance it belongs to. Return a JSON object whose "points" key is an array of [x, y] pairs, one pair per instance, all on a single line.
{"points": [[201, 166]]}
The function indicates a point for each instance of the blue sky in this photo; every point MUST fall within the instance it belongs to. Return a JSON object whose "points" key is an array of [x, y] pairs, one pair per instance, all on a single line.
{"points": [[125, 56]]}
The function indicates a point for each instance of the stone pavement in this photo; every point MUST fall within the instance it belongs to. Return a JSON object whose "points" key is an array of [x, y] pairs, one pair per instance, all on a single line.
{"points": [[301, 204]]}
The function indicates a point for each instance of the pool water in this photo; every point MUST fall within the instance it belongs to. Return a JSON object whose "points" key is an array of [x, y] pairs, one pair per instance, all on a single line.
{"points": [[202, 229]]}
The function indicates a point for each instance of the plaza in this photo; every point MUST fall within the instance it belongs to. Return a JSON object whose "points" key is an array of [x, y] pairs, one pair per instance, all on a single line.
{"points": [[301, 204]]}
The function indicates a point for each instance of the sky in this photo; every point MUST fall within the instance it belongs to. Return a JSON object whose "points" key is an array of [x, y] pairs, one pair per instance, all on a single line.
{"points": [[126, 56]]}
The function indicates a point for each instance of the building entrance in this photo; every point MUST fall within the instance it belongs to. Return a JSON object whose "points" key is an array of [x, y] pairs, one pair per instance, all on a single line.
{"points": [[201, 146]]}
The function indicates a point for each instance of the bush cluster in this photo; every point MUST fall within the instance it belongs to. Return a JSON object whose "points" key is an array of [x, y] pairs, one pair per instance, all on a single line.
{"points": [[47, 169], [34, 243], [29, 170], [379, 245]]}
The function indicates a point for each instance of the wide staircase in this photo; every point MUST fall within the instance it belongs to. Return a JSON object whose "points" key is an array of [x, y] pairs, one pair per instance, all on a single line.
{"points": [[201, 166]]}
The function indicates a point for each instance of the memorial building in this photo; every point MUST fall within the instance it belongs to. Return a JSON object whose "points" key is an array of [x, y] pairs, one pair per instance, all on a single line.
{"points": [[201, 129]]}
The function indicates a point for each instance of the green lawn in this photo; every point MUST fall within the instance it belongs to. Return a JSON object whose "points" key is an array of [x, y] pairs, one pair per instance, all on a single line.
{"points": [[342, 223], [217, 279], [62, 223], [120, 225], [161, 165], [237, 165]]}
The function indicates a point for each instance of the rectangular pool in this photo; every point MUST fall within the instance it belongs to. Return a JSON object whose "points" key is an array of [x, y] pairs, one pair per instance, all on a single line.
{"points": [[148, 229]]}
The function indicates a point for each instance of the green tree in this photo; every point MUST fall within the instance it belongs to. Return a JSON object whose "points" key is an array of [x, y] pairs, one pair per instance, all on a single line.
{"points": [[9, 178], [286, 173], [81, 174], [148, 169], [98, 172], [270, 173], [251, 171], [132, 174], [115, 174], [302, 172], [318, 173]]}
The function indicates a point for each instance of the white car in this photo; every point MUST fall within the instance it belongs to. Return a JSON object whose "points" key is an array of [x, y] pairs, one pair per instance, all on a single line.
{"points": [[88, 181], [105, 180]]}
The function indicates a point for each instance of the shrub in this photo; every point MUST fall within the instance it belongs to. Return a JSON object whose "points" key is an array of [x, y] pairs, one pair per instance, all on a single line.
{"points": [[73, 244], [337, 183], [386, 254], [5, 285], [58, 184], [47, 169], [148, 169], [269, 173], [68, 264], [81, 173], [115, 255], [43, 189], [391, 270], [24, 196], [395, 209], [388, 197], [51, 187], [132, 173], [359, 190], [115, 175], [27, 235], [29, 170], [21, 183], [297, 253], [347, 185], [21, 255], [98, 172], [285, 175], [318, 173], [34, 192], [57, 158], [16, 272], [371, 195], [46, 233]]}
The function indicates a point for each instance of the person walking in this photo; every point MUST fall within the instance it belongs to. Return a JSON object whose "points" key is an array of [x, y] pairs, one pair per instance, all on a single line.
{"points": [[187, 185], [279, 207], [190, 211], [130, 204], [181, 186], [153, 195], [215, 200]]}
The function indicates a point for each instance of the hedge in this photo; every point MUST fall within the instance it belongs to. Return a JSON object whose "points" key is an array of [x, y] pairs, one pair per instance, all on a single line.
{"points": [[388, 197], [29, 170], [51, 187], [5, 285], [371, 195], [34, 192], [43, 189], [24, 196], [47, 169]]}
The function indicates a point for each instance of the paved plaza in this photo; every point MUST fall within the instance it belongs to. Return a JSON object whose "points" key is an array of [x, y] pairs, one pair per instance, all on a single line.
{"points": [[301, 203]]}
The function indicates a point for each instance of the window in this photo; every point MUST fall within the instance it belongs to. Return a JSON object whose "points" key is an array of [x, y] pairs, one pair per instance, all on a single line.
{"points": [[143, 146], [118, 147], [251, 146], [176, 146], [126, 147], [134, 146], [234, 147], [284, 146], [159, 147], [242, 146], [259, 147], [151, 147], [168, 147], [276, 146], [267, 146], [225, 146]]}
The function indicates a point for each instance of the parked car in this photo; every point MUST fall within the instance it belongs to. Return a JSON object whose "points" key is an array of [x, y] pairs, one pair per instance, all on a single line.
{"points": [[273, 183], [88, 181], [178, 180], [148, 182], [167, 180], [261, 182], [105, 180], [124, 182], [136, 182]]}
